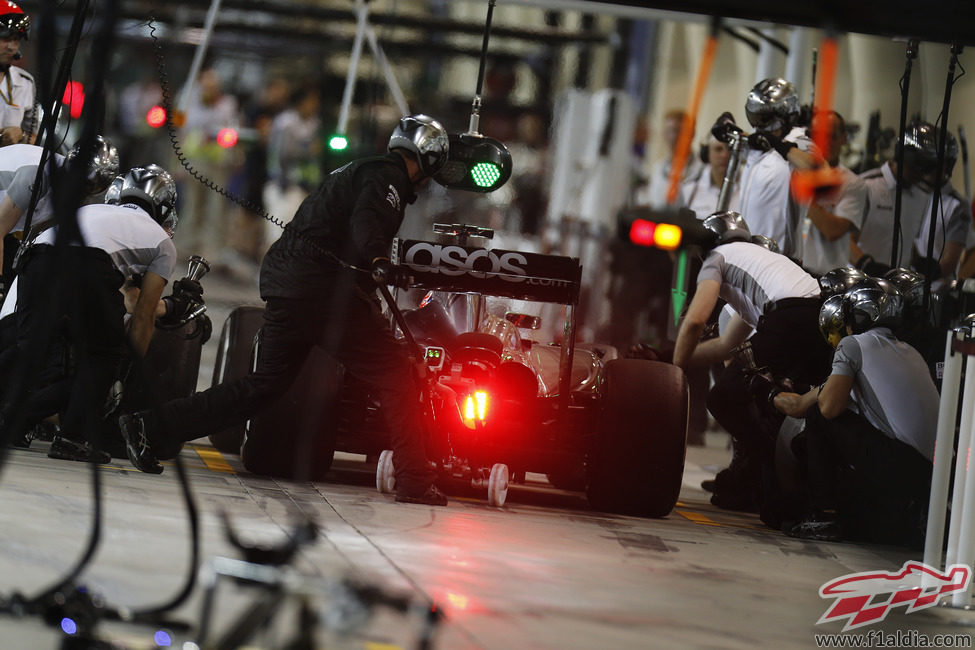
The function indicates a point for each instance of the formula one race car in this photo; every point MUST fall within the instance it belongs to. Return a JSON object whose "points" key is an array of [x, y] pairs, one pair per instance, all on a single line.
{"points": [[497, 402]]}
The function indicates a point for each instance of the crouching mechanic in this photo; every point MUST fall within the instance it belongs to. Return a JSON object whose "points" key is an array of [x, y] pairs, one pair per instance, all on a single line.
{"points": [[317, 287], [80, 284], [776, 298], [870, 428]]}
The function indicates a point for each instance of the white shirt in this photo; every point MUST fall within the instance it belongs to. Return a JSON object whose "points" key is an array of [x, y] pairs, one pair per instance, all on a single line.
{"points": [[877, 233], [18, 171], [701, 195], [892, 387], [848, 202], [955, 217], [752, 276], [20, 110], [134, 241]]}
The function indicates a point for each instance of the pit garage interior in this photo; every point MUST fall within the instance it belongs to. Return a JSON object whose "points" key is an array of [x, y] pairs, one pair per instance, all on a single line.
{"points": [[545, 569]]}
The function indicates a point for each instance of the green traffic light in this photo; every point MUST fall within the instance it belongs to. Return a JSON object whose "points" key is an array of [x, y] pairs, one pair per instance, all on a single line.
{"points": [[485, 174], [338, 143]]}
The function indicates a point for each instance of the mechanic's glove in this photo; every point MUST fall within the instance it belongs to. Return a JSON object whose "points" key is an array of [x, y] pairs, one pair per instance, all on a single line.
{"points": [[3, 288], [724, 126], [763, 387], [177, 306], [765, 141], [387, 273], [187, 288], [870, 266]]}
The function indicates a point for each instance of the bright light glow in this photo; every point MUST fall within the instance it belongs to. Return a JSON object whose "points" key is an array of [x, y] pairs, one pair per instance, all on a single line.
{"points": [[189, 645], [69, 626], [667, 236], [641, 232], [338, 142], [74, 98], [227, 137], [475, 408], [156, 117], [162, 639], [485, 174], [458, 601]]}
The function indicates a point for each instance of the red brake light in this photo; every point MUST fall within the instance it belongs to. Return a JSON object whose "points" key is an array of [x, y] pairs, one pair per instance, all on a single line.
{"points": [[156, 117]]}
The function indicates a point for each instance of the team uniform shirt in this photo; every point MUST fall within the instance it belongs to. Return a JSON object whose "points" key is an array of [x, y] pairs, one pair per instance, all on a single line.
{"points": [[877, 232], [954, 217], [17, 94], [849, 202], [701, 195], [132, 239], [350, 219], [892, 387], [753, 277], [766, 202], [655, 194], [18, 171]]}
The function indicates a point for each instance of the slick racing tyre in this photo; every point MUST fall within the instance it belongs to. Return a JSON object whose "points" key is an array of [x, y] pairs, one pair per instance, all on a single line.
{"points": [[637, 460], [233, 362]]}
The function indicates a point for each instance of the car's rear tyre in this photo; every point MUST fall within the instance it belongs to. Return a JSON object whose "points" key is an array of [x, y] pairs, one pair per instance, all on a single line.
{"points": [[234, 360], [385, 473], [498, 485], [637, 460]]}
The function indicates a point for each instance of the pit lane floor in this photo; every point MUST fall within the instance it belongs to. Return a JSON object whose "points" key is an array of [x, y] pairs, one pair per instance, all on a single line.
{"points": [[542, 572]]}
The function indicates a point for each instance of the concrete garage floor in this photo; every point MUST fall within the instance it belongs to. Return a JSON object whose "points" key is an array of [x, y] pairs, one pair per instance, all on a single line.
{"points": [[542, 572]]}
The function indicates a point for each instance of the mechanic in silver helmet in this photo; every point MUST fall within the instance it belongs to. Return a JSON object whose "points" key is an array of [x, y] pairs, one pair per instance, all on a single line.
{"points": [[775, 147], [870, 427], [80, 285], [776, 298], [953, 234], [318, 283], [871, 248], [18, 171]]}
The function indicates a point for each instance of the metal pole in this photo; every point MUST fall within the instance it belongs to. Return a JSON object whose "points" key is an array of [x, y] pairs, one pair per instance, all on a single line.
{"points": [[895, 247], [398, 97], [943, 447], [961, 464], [730, 174], [198, 55], [362, 14]]}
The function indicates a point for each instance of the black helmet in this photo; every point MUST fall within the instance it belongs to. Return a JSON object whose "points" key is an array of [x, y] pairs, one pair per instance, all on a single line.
{"points": [[425, 138], [151, 187], [832, 320], [910, 284], [765, 242], [921, 147], [772, 104], [729, 226], [103, 168], [872, 303], [839, 280], [14, 23]]}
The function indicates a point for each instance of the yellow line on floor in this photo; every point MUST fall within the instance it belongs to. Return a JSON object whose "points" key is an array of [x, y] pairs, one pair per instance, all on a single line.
{"points": [[698, 518], [213, 459]]}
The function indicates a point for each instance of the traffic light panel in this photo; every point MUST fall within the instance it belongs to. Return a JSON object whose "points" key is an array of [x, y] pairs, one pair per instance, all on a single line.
{"points": [[476, 163]]}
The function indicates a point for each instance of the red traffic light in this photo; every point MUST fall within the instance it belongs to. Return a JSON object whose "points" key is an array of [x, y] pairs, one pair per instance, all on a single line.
{"points": [[227, 137], [156, 117], [74, 98]]}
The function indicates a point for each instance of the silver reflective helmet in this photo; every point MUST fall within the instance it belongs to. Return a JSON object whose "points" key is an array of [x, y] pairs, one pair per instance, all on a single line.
{"points": [[151, 187], [839, 280], [425, 138], [765, 242], [729, 226], [872, 303], [832, 321], [103, 168], [910, 284], [772, 104]]}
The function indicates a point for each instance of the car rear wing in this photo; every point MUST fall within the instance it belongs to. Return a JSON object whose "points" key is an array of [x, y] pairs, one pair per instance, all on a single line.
{"points": [[495, 272]]}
